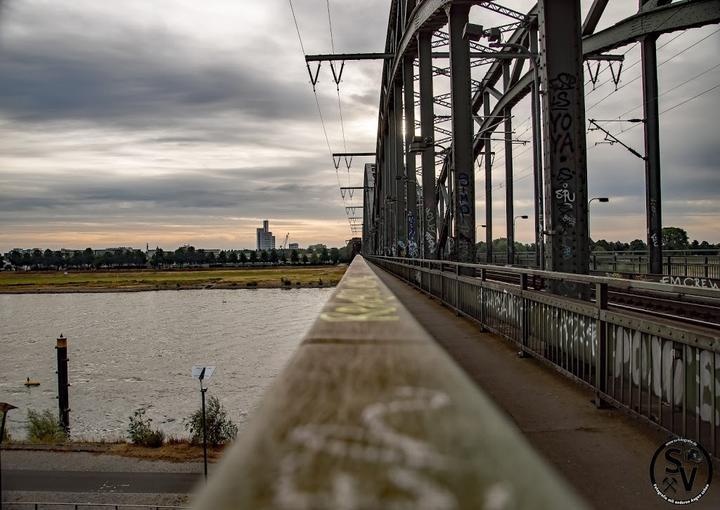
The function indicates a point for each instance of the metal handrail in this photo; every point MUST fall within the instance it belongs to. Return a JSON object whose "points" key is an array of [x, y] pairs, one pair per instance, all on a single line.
{"points": [[38, 505], [614, 283]]}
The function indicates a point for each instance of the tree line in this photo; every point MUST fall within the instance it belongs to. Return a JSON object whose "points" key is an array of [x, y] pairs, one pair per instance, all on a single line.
{"points": [[673, 238], [185, 256]]}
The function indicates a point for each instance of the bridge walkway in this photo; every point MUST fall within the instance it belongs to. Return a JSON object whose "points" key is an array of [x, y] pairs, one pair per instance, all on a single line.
{"points": [[605, 454]]}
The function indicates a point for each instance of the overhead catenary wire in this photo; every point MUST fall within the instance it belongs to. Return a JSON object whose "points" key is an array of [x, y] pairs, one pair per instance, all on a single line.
{"points": [[317, 100], [685, 50]]}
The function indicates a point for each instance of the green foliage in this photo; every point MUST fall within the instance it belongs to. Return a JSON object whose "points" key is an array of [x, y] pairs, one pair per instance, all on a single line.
{"points": [[220, 429], [141, 433], [674, 238], [44, 427]]}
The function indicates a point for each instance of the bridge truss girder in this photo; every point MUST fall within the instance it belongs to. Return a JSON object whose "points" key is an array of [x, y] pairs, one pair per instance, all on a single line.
{"points": [[414, 31]]}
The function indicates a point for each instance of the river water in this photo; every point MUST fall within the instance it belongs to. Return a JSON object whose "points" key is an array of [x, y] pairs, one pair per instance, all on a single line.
{"points": [[136, 349]]}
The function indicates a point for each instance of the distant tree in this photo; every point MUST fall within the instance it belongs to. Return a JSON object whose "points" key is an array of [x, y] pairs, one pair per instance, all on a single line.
{"points": [[638, 245], [674, 238], [263, 256], [283, 257], [243, 258], [304, 258], [88, 257], [334, 255], [602, 245], [294, 258], [222, 258], [274, 256], [158, 258], [314, 259], [48, 258], [210, 258], [253, 256], [15, 258], [233, 257], [324, 256]]}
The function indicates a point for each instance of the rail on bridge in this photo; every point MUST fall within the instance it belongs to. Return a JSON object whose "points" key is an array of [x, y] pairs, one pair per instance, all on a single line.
{"points": [[661, 366], [371, 413]]}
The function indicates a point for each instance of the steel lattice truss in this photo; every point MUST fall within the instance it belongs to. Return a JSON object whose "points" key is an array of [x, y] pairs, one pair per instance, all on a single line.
{"points": [[432, 38]]}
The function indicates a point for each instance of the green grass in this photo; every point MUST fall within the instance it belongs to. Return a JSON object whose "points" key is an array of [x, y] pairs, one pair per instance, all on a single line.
{"points": [[150, 279]]}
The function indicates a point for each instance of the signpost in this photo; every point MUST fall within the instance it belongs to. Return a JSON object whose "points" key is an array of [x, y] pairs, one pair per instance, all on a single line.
{"points": [[203, 373]]}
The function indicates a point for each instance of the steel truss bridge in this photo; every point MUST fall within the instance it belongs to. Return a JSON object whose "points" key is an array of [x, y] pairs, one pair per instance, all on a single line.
{"points": [[371, 412]]}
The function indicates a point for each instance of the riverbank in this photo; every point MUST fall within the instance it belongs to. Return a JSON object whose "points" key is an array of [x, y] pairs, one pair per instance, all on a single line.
{"points": [[38, 282]]}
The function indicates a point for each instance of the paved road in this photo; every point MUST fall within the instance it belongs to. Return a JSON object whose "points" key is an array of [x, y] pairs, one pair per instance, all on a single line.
{"points": [[99, 482], [603, 453]]}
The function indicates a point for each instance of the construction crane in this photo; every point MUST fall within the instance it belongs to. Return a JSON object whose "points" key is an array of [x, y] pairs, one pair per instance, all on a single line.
{"points": [[284, 244]]}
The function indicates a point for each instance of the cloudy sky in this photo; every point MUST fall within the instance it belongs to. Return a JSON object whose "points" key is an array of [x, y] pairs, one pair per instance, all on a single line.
{"points": [[177, 121]]}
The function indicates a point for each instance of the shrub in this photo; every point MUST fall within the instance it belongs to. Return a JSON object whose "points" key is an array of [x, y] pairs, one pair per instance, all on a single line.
{"points": [[251, 284], [220, 429], [44, 427], [140, 431]]}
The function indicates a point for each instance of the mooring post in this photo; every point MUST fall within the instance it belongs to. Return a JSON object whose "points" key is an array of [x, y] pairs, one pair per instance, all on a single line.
{"points": [[62, 373]]}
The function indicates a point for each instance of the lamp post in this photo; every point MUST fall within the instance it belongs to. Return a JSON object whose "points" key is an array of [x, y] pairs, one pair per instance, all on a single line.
{"points": [[202, 373], [511, 242], [476, 255], [4, 408], [603, 200]]}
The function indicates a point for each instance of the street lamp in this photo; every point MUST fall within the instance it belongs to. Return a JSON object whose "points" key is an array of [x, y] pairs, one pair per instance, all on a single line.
{"points": [[511, 242], [4, 408], [604, 200], [203, 373]]}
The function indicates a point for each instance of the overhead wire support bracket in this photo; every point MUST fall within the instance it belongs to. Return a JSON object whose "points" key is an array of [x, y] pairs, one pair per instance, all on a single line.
{"points": [[330, 57], [612, 139]]}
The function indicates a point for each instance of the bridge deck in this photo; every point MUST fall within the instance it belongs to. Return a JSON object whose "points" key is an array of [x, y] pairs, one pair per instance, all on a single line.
{"points": [[605, 454]]}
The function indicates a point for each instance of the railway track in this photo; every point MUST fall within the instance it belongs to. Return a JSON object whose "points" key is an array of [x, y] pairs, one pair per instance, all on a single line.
{"points": [[686, 308]]}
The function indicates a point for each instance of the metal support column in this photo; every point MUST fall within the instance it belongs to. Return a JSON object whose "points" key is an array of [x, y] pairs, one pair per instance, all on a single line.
{"points": [[537, 156], [400, 177], [462, 131], [509, 209], [411, 182], [653, 203], [564, 135], [427, 133], [488, 184]]}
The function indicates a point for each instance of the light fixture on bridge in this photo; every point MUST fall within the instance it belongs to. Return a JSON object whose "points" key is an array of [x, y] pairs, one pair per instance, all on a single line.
{"points": [[420, 144], [604, 200], [475, 32]]}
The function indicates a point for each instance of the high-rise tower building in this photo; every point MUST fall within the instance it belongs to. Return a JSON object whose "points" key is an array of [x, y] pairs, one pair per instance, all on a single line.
{"points": [[265, 239]]}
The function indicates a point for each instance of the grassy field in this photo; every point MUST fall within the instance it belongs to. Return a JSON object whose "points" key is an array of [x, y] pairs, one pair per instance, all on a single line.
{"points": [[100, 281]]}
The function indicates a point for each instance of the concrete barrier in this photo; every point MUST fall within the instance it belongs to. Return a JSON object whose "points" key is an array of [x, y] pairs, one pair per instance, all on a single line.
{"points": [[371, 413]]}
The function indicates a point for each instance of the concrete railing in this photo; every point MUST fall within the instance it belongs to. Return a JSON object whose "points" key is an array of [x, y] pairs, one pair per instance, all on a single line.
{"points": [[371, 413]]}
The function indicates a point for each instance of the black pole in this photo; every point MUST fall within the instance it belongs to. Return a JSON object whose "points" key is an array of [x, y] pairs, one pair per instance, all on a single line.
{"points": [[62, 373], [202, 393]]}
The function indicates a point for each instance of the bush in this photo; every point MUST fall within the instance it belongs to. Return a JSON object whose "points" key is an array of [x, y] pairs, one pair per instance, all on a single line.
{"points": [[220, 429], [140, 431], [44, 427], [251, 284]]}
